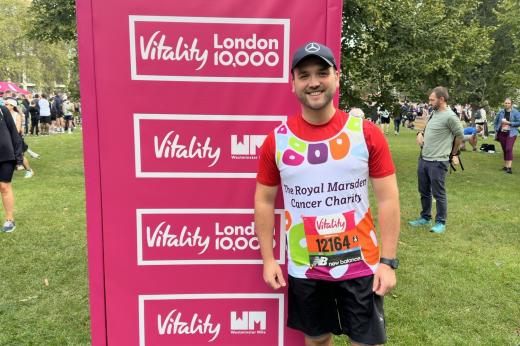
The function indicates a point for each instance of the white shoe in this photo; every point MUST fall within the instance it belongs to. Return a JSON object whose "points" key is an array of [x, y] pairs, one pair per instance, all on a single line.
{"points": [[28, 174]]}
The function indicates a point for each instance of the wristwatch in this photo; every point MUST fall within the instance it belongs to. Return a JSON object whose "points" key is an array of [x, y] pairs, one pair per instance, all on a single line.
{"points": [[393, 263]]}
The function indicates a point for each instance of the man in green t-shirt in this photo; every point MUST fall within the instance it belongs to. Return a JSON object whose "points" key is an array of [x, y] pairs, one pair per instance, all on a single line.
{"points": [[439, 141]]}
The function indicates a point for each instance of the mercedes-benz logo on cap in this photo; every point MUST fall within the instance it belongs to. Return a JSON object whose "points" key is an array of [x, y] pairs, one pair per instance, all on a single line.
{"points": [[312, 47]]}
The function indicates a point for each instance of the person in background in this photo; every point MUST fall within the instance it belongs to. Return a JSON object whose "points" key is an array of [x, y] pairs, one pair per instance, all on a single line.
{"points": [[384, 115], [57, 109], [11, 105], [470, 136], [481, 120], [35, 117], [506, 130], [26, 102], [68, 111], [45, 114], [439, 142], [10, 156]]}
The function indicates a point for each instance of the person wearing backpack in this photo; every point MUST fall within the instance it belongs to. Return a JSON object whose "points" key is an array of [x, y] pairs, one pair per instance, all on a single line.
{"points": [[440, 142], [506, 130]]}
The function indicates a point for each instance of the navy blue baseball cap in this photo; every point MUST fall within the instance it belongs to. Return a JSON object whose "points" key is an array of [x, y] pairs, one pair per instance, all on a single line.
{"points": [[313, 49]]}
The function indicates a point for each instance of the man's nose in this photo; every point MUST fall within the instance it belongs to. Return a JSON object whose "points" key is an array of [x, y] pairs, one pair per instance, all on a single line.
{"points": [[314, 81]]}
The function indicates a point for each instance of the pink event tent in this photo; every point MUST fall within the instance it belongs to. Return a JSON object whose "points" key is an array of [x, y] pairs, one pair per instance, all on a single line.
{"points": [[13, 87]]}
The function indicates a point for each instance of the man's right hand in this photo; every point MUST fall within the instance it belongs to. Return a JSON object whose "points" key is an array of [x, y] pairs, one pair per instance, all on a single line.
{"points": [[273, 275], [419, 139]]}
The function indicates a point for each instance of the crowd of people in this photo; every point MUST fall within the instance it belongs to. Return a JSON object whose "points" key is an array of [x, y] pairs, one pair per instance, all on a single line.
{"points": [[478, 121], [24, 115], [42, 114]]}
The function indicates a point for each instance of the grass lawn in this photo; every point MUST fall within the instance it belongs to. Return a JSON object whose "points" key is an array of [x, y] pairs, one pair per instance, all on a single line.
{"points": [[49, 243], [459, 288]]}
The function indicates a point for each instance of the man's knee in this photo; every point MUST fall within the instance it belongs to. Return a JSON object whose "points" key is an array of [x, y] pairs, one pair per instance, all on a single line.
{"points": [[322, 340]]}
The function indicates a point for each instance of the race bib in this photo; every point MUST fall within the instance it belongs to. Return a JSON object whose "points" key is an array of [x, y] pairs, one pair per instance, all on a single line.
{"points": [[332, 240]]}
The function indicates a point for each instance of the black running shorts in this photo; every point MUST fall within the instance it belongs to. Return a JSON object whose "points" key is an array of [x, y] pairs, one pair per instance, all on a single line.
{"points": [[318, 307], [45, 120], [6, 171]]}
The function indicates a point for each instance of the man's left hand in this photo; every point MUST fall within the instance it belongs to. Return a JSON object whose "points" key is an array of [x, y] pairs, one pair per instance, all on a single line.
{"points": [[384, 280]]}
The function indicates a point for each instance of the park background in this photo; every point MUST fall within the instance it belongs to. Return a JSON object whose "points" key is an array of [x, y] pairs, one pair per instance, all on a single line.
{"points": [[459, 288]]}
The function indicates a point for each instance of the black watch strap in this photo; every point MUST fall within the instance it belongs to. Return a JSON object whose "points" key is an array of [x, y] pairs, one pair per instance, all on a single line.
{"points": [[393, 263]]}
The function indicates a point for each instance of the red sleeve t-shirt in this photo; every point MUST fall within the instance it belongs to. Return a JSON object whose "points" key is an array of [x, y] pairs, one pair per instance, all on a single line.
{"points": [[380, 162]]}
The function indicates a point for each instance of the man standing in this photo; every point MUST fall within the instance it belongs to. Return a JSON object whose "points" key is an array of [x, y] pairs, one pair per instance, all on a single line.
{"points": [[323, 159], [439, 142]]}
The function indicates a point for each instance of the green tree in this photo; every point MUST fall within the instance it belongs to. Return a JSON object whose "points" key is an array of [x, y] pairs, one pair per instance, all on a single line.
{"points": [[503, 71], [23, 58], [405, 47], [54, 21]]}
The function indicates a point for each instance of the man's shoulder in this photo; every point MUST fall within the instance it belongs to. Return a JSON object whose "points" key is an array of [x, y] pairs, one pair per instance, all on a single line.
{"points": [[449, 112]]}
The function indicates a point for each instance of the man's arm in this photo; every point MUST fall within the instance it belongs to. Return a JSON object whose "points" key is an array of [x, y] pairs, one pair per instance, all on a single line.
{"points": [[387, 197], [458, 134], [265, 197]]}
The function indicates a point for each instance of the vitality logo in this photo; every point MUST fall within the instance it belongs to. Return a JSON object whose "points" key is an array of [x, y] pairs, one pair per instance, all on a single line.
{"points": [[209, 49]]}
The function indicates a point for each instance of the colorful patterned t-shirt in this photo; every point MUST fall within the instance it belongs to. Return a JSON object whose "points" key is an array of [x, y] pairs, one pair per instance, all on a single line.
{"points": [[329, 228]]}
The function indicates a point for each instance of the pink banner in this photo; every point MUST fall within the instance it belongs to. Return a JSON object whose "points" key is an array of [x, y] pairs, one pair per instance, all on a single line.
{"points": [[199, 146], [225, 319], [209, 49], [178, 97], [202, 236]]}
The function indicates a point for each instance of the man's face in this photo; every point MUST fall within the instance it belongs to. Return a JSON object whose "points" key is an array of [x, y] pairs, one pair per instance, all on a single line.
{"points": [[507, 104], [315, 83], [434, 101]]}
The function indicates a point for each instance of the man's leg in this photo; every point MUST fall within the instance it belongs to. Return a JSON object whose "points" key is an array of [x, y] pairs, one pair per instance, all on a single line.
{"points": [[438, 172], [323, 340], [424, 183]]}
